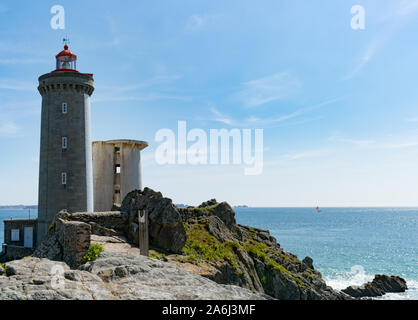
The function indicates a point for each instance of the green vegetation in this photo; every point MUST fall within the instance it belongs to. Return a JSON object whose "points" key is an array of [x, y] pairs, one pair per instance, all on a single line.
{"points": [[198, 212], [202, 246], [51, 227], [157, 255], [259, 250], [3, 269], [93, 253]]}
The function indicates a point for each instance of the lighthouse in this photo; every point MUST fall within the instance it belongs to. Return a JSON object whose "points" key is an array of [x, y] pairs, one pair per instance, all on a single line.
{"points": [[65, 168]]}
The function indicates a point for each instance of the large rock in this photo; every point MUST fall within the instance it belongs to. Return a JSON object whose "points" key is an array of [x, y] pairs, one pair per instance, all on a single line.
{"points": [[210, 208], [166, 228], [113, 276], [380, 285], [42, 279], [66, 240]]}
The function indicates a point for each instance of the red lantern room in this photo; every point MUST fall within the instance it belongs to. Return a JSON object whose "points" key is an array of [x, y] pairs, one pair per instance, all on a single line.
{"points": [[66, 61]]}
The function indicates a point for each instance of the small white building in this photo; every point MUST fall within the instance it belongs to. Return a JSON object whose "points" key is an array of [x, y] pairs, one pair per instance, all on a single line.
{"points": [[116, 171]]}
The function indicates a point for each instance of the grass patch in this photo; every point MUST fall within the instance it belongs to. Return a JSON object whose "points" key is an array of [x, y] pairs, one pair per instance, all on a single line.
{"points": [[157, 255], [202, 246], [92, 254], [259, 250], [3, 269]]}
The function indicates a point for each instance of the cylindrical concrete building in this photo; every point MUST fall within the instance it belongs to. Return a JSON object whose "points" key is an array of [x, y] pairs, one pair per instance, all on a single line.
{"points": [[117, 171], [65, 173]]}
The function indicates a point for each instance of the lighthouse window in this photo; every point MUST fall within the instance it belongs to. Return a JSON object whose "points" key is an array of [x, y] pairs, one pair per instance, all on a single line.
{"points": [[64, 143], [64, 178], [64, 107], [117, 169]]}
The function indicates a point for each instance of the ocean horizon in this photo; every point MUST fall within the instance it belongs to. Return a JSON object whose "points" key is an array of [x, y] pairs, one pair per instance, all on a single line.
{"points": [[348, 245]]}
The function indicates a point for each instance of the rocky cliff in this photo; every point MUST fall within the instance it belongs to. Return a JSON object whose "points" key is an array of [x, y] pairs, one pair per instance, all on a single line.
{"points": [[211, 243], [204, 241], [113, 276], [226, 252]]}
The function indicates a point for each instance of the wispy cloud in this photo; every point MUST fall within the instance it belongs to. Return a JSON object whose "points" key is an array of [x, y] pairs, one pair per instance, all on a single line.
{"points": [[306, 154], [156, 89], [114, 38], [250, 121], [412, 119], [198, 22], [357, 142], [24, 61], [267, 89], [12, 84], [374, 46], [402, 142], [407, 7], [393, 21], [149, 96], [9, 129], [298, 156], [219, 117], [400, 145], [253, 121], [147, 83]]}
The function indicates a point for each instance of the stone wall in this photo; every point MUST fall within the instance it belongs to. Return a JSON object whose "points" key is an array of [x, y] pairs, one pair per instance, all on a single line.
{"points": [[74, 237], [11, 252], [66, 241]]}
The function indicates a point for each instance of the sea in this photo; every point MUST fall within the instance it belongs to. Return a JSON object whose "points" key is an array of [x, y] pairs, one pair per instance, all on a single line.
{"points": [[348, 245]]}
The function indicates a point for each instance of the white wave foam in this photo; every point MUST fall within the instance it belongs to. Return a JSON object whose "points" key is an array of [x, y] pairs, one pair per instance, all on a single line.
{"points": [[358, 276], [355, 277]]}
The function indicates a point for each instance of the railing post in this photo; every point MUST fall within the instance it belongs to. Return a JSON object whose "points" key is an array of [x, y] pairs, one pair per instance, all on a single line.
{"points": [[143, 232]]}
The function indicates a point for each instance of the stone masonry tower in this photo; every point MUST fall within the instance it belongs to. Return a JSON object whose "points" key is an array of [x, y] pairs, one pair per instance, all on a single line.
{"points": [[65, 169]]}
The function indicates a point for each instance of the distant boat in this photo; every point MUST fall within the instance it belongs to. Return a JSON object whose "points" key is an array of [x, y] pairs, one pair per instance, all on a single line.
{"points": [[317, 210]]}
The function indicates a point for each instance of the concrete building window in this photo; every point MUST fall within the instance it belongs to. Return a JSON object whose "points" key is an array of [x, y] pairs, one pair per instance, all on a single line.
{"points": [[15, 235], [117, 169], [64, 178], [64, 143], [64, 107], [117, 149]]}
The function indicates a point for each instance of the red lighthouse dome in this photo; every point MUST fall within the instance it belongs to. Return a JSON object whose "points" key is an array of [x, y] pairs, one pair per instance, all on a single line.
{"points": [[66, 61]]}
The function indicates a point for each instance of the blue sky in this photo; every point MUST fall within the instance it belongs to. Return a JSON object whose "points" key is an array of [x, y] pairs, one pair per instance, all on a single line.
{"points": [[339, 107]]}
